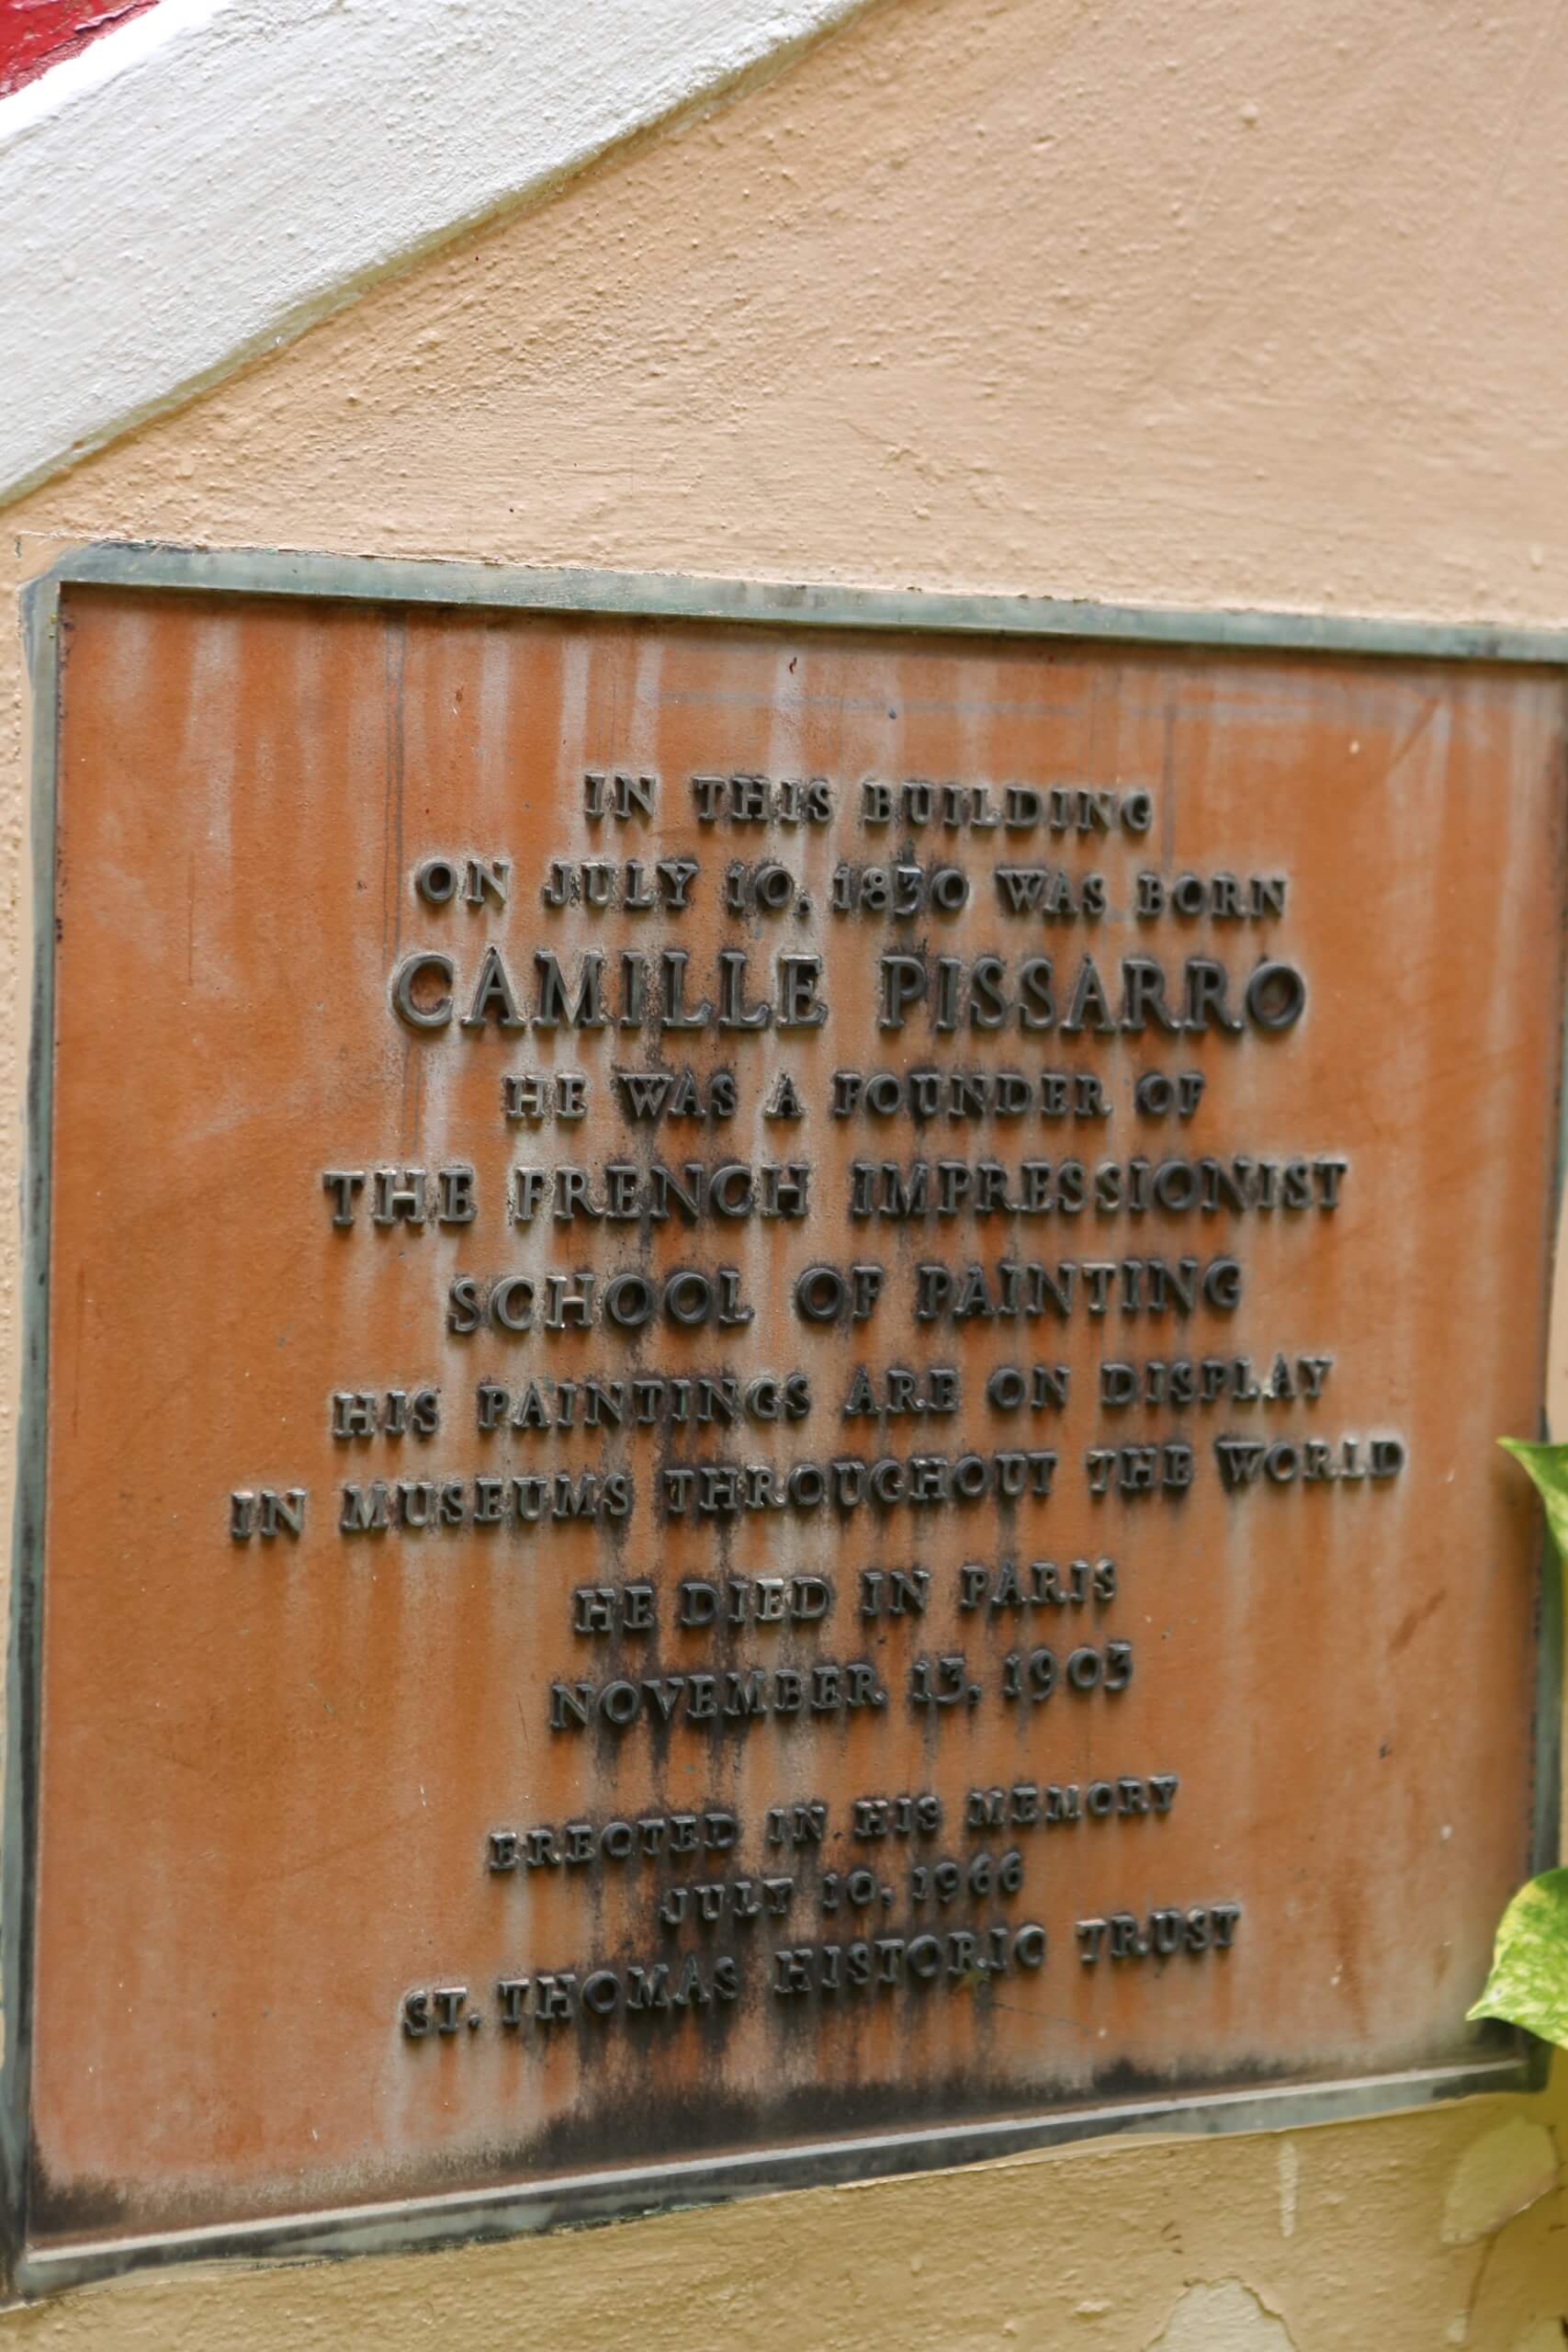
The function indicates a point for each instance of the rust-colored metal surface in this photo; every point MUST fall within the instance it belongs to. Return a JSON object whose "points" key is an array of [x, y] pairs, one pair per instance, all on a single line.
{"points": [[1074, 1644]]}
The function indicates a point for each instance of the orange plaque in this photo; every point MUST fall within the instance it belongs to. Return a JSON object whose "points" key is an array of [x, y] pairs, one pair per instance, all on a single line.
{"points": [[772, 1352]]}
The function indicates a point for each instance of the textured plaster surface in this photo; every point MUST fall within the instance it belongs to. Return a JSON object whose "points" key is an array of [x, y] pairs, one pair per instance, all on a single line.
{"points": [[1225, 2318], [1241, 306], [210, 181], [1501, 2174], [1210, 306]]}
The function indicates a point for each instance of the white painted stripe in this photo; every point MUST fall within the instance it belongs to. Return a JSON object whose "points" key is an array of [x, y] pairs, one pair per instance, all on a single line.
{"points": [[201, 184], [104, 57]]}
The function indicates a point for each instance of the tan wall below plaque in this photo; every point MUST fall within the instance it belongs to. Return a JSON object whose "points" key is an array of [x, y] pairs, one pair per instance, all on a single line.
{"points": [[1211, 308]]}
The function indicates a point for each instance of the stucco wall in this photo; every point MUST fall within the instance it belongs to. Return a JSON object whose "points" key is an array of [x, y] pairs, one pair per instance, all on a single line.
{"points": [[1208, 306]]}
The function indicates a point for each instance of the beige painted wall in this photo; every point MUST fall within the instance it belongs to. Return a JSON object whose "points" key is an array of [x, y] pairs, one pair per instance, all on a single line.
{"points": [[1212, 306]]}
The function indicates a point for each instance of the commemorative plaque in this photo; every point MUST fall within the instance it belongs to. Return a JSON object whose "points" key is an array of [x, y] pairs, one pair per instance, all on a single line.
{"points": [[764, 1404]]}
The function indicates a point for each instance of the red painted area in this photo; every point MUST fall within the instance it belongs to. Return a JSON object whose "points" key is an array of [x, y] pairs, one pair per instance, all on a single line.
{"points": [[36, 33]]}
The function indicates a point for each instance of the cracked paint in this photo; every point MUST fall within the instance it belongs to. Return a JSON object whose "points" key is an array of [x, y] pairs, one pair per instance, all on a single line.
{"points": [[1504, 2173], [1222, 2317]]}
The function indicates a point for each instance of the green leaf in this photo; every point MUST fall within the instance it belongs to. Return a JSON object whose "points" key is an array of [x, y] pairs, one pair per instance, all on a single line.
{"points": [[1528, 1984], [1548, 1466]]}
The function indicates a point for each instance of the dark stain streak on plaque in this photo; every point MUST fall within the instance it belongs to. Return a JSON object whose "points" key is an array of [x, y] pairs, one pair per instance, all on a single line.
{"points": [[775, 1356]]}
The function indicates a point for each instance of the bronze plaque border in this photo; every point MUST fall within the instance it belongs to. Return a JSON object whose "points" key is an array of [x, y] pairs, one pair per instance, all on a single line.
{"points": [[603, 2195]]}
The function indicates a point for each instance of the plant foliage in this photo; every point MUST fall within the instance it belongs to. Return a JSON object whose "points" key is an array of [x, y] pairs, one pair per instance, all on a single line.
{"points": [[1528, 1984], [1548, 1466]]}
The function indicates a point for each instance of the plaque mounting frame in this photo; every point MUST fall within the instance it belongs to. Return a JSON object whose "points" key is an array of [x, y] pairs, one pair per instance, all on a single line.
{"points": [[600, 2195]]}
